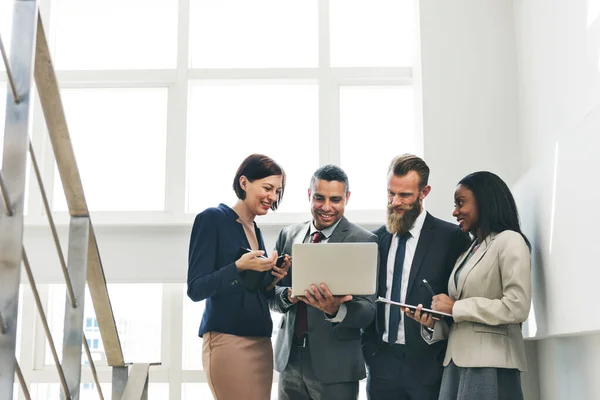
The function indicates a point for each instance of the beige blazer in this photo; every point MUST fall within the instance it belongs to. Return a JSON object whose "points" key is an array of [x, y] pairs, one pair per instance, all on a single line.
{"points": [[493, 297]]}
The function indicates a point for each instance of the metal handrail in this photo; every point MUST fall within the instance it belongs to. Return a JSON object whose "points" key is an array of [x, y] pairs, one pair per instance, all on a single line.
{"points": [[11, 81], [22, 380], [49, 94], [61, 257], [86, 346], [5, 197], [38, 303]]}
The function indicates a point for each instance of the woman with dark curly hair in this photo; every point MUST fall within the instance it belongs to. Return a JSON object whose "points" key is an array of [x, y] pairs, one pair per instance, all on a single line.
{"points": [[489, 297]]}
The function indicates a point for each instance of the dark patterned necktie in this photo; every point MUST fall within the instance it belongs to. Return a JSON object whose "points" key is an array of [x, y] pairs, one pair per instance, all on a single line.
{"points": [[396, 288]]}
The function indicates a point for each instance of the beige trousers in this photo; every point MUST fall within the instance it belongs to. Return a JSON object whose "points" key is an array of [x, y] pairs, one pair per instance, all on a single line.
{"points": [[238, 367]]}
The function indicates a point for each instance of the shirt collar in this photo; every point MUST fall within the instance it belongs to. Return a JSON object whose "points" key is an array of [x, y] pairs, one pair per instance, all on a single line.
{"points": [[326, 232], [417, 227]]}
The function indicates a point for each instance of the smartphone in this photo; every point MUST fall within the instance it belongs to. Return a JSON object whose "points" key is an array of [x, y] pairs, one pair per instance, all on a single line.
{"points": [[279, 261], [255, 280]]}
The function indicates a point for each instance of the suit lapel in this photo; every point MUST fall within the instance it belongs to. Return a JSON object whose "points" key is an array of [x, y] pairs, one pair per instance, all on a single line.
{"points": [[385, 242], [340, 232], [451, 283], [471, 263], [425, 239], [298, 236]]}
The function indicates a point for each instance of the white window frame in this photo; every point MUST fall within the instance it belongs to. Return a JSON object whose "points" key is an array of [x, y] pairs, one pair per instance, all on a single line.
{"points": [[329, 80]]}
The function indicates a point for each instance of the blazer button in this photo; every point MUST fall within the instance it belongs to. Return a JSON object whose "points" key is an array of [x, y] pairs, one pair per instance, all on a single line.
{"points": [[234, 282]]}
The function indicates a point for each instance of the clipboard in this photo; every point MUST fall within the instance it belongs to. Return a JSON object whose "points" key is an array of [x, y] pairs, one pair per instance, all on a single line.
{"points": [[403, 305]]}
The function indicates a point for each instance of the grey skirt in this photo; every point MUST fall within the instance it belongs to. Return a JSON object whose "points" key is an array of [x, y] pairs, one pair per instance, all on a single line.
{"points": [[480, 384]]}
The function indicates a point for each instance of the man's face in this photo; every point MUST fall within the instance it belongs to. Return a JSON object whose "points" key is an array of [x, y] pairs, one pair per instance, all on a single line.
{"points": [[405, 201], [327, 202]]}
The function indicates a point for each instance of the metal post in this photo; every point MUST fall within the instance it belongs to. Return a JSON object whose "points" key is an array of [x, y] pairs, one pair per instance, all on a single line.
{"points": [[73, 335], [14, 161], [119, 380], [137, 384]]}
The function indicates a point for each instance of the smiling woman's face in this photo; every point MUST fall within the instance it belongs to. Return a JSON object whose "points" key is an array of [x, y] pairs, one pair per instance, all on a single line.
{"points": [[262, 193], [465, 209]]}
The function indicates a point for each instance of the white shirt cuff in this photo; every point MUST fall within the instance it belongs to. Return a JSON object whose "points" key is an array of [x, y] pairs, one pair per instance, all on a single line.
{"points": [[341, 314]]}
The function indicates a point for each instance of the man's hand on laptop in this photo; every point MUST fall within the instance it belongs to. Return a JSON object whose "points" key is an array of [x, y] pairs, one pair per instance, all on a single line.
{"points": [[322, 299]]}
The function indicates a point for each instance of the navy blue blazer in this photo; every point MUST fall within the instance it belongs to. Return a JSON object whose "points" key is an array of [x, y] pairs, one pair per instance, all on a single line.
{"points": [[212, 275], [440, 243]]}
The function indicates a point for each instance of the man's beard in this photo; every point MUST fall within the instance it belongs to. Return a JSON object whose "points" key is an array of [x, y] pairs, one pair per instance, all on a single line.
{"points": [[402, 223]]}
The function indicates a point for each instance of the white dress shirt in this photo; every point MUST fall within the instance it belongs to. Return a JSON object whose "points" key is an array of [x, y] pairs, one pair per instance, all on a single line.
{"points": [[411, 246]]}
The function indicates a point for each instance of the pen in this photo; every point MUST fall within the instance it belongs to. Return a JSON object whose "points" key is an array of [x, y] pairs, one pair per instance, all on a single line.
{"points": [[428, 287]]}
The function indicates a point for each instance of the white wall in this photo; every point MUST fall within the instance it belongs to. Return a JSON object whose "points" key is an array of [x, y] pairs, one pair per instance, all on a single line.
{"points": [[559, 88], [468, 66]]}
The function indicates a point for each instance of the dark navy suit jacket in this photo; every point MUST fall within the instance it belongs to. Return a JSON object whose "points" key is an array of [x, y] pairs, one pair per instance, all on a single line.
{"points": [[212, 276], [440, 243]]}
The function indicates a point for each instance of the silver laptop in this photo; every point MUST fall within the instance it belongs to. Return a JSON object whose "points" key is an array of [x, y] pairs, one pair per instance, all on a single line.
{"points": [[346, 268]]}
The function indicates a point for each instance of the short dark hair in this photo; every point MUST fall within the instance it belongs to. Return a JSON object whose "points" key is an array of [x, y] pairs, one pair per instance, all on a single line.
{"points": [[403, 164], [330, 173], [258, 166], [496, 207]]}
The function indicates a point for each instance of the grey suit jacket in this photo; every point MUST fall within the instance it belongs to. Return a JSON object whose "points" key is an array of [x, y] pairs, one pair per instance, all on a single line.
{"points": [[493, 297], [335, 348]]}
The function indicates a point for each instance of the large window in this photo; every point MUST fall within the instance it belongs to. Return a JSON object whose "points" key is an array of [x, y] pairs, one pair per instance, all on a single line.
{"points": [[163, 107]]}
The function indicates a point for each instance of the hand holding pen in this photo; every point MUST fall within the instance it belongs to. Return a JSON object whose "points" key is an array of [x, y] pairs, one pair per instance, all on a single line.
{"points": [[440, 302]]}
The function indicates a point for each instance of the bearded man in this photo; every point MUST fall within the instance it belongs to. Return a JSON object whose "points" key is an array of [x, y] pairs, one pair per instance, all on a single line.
{"points": [[413, 246]]}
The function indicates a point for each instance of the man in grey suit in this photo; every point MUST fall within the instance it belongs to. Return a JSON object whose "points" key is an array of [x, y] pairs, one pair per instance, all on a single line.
{"points": [[318, 349]]}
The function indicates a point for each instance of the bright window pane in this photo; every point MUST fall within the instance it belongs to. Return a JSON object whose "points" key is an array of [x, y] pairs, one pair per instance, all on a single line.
{"points": [[250, 34], [115, 34], [158, 391], [228, 122], [119, 139], [137, 309], [376, 124], [192, 343], [372, 33]]}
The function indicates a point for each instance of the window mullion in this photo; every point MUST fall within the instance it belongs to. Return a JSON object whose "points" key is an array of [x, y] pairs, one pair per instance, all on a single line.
{"points": [[175, 174], [329, 132]]}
